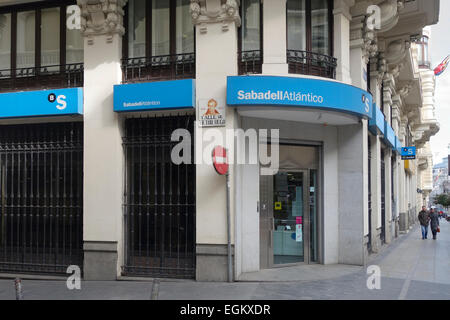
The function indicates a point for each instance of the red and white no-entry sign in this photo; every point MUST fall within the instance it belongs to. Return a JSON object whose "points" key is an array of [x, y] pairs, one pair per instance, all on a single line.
{"points": [[220, 160]]}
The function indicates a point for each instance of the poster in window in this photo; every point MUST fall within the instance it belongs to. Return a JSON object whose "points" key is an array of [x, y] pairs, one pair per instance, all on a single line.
{"points": [[299, 232]]}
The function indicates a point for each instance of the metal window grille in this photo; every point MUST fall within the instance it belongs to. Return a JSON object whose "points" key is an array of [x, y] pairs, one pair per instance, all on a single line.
{"points": [[394, 212], [159, 208], [369, 173], [41, 217], [383, 198]]}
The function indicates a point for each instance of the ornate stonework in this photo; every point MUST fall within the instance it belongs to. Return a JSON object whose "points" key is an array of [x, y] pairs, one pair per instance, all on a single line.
{"points": [[226, 11], [378, 67], [396, 50], [101, 17], [404, 89], [390, 10], [364, 37]]}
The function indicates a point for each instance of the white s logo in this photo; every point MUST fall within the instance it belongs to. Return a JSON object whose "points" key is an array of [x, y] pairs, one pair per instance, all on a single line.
{"points": [[366, 102], [62, 104]]}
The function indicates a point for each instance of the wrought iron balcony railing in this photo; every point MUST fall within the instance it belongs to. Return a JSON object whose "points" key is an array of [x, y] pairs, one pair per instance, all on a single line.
{"points": [[424, 64], [310, 63], [250, 62], [37, 78], [168, 67]]}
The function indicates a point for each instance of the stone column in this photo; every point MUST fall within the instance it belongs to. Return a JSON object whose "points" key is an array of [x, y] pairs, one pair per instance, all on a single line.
{"points": [[362, 47], [402, 196], [103, 156], [274, 35], [388, 195], [353, 192], [393, 103], [395, 206], [342, 18], [375, 188], [216, 24]]}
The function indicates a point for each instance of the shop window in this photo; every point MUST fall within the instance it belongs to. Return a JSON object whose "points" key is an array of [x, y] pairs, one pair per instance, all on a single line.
{"points": [[37, 51], [159, 40], [250, 37], [309, 37]]}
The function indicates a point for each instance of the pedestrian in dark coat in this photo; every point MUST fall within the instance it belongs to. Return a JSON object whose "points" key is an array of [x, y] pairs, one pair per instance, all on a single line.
{"points": [[434, 222], [424, 219]]}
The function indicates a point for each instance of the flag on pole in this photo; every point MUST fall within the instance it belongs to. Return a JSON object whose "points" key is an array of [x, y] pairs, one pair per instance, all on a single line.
{"points": [[442, 66]]}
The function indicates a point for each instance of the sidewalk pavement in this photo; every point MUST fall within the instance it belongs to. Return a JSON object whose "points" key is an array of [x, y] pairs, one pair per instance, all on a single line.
{"points": [[411, 268]]}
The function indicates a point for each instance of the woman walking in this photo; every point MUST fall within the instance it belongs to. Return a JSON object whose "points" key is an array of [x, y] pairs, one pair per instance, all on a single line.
{"points": [[434, 222]]}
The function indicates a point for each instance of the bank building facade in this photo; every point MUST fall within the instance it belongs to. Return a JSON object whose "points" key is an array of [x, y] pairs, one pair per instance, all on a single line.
{"points": [[91, 93]]}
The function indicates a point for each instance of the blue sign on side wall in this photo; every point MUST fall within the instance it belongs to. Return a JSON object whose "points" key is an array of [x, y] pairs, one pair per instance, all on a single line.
{"points": [[376, 124], [56, 102], [298, 92], [389, 135], [408, 153], [160, 95]]}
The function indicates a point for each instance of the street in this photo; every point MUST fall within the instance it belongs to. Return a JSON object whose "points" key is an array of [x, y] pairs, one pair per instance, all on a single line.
{"points": [[411, 268]]}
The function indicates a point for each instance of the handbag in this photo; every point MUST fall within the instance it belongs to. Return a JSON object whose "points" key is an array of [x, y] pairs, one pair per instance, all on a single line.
{"points": [[438, 229]]}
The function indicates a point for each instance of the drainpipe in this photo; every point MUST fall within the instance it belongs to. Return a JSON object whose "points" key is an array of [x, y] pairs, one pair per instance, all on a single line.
{"points": [[230, 266]]}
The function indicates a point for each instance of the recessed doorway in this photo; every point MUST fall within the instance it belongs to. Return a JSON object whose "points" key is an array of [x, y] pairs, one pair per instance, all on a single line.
{"points": [[289, 220]]}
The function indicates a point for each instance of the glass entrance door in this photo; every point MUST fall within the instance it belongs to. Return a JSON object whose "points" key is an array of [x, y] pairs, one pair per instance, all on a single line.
{"points": [[295, 217], [289, 215], [290, 206]]}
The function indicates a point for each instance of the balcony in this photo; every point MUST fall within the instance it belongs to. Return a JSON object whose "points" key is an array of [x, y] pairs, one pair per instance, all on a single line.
{"points": [[424, 64], [249, 62], [40, 78], [310, 63], [167, 67]]}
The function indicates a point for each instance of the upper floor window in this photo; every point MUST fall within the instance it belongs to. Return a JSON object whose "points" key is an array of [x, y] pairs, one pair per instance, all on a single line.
{"points": [[159, 41], [423, 58], [309, 37], [35, 43], [250, 37], [309, 27]]}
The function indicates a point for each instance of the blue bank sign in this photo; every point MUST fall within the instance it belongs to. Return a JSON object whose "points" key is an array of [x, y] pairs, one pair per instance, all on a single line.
{"points": [[408, 153], [298, 92], [389, 135], [161, 95], [56, 102], [376, 124]]}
